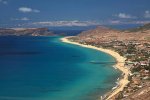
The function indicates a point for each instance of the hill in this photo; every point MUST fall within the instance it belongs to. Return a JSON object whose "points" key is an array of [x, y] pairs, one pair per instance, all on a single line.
{"points": [[101, 34]]}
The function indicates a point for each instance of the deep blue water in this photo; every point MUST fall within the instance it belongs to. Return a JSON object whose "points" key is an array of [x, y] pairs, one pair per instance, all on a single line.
{"points": [[44, 68]]}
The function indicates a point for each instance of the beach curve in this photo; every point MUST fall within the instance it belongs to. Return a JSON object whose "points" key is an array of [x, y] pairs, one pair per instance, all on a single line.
{"points": [[123, 81]]}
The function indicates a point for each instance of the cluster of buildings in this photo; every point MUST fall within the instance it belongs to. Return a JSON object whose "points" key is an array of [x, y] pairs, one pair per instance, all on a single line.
{"points": [[138, 61]]}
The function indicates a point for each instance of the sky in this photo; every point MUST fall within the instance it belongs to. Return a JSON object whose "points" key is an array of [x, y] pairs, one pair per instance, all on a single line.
{"points": [[57, 13]]}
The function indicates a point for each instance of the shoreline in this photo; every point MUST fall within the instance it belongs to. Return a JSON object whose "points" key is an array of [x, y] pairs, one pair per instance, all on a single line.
{"points": [[123, 81]]}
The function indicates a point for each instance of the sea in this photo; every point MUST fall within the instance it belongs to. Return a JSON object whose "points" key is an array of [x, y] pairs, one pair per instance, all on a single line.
{"points": [[44, 68]]}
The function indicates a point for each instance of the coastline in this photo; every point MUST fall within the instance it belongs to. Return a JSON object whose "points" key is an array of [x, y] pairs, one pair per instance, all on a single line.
{"points": [[123, 81]]}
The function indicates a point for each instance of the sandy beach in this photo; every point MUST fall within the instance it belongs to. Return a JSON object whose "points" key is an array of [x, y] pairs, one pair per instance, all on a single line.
{"points": [[122, 82]]}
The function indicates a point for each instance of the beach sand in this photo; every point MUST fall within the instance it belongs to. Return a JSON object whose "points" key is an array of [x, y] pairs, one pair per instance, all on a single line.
{"points": [[122, 82]]}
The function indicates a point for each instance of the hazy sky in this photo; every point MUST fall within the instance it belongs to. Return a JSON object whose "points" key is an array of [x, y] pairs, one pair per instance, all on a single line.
{"points": [[73, 12]]}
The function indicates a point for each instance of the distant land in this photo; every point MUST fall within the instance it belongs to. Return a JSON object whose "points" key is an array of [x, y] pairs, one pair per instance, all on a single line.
{"points": [[63, 31], [140, 28], [26, 32]]}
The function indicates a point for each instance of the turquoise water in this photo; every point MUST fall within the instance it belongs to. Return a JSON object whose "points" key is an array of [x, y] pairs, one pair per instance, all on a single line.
{"points": [[44, 68]]}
